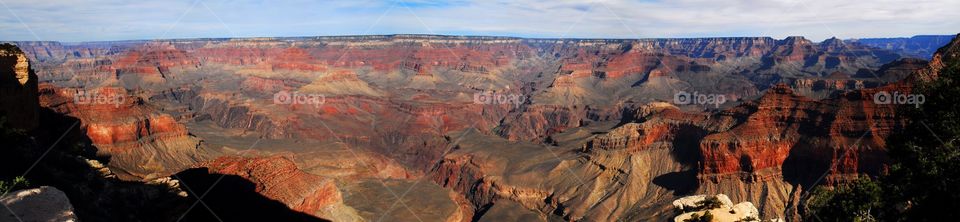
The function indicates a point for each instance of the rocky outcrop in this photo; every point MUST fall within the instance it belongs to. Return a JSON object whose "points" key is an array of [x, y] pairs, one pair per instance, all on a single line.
{"points": [[18, 89], [949, 54], [38, 204], [719, 207], [278, 178], [782, 117]]}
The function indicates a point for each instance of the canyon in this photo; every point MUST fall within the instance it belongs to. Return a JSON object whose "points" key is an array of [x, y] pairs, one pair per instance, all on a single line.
{"points": [[474, 128]]}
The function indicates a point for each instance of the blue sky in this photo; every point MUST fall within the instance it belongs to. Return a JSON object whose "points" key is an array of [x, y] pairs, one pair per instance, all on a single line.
{"points": [[99, 20]]}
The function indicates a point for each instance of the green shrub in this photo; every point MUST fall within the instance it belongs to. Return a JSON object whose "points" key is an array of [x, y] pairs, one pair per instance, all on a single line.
{"points": [[16, 184], [852, 202], [709, 203]]}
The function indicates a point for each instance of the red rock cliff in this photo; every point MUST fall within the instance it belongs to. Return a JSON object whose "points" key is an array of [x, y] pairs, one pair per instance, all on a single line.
{"points": [[278, 178]]}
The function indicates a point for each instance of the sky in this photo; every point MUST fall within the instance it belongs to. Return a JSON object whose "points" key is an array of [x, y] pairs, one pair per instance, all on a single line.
{"points": [[107, 20]]}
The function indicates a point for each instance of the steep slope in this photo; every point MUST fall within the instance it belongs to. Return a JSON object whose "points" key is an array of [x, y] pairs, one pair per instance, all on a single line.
{"points": [[279, 179], [18, 85]]}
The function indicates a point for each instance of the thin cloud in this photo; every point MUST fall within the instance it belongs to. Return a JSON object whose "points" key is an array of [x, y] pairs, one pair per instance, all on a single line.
{"points": [[97, 20]]}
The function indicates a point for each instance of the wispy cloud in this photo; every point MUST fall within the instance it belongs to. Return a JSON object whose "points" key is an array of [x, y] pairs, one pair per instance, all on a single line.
{"points": [[92, 20]]}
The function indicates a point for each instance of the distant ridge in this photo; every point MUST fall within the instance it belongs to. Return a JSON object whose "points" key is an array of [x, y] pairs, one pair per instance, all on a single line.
{"points": [[919, 46]]}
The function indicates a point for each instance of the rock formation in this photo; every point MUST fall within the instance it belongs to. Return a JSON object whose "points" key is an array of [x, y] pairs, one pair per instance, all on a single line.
{"points": [[719, 207], [18, 85], [38, 204], [279, 179], [141, 142]]}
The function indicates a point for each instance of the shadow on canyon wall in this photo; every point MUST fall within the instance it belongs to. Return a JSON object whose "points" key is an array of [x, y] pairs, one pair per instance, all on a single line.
{"points": [[686, 150], [56, 155], [231, 198]]}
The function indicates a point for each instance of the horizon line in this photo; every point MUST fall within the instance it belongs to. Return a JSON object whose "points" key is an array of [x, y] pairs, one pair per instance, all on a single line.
{"points": [[454, 35]]}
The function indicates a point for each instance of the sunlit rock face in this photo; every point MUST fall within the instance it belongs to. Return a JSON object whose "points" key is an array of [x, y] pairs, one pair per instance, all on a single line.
{"points": [[719, 207]]}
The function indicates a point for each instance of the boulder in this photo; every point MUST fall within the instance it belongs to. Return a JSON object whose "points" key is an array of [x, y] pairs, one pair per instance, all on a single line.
{"points": [[689, 206], [38, 204]]}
